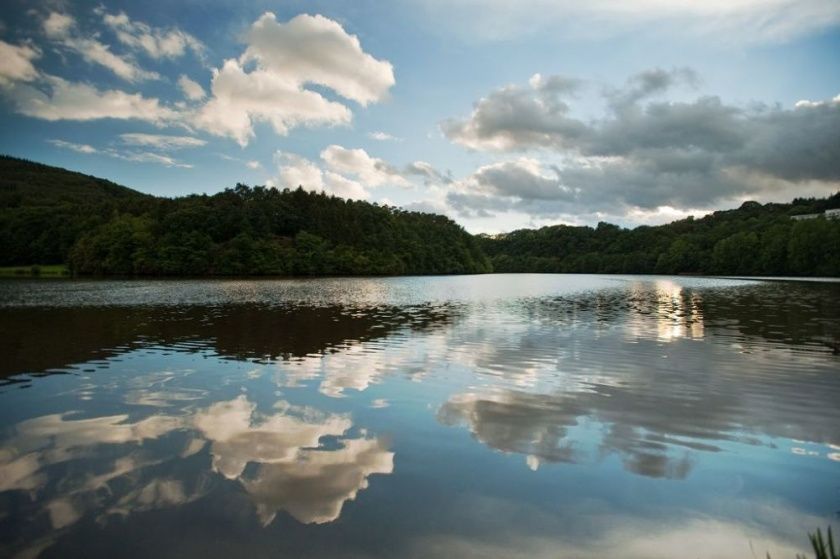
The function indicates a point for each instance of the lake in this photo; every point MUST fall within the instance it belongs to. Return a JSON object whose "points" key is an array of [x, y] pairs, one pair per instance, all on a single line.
{"points": [[471, 416]]}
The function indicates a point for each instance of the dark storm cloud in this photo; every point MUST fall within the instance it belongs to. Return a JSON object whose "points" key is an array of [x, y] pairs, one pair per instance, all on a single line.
{"points": [[646, 153], [514, 118], [649, 83], [520, 178]]}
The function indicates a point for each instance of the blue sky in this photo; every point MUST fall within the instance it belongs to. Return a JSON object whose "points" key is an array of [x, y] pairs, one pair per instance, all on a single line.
{"points": [[501, 115]]}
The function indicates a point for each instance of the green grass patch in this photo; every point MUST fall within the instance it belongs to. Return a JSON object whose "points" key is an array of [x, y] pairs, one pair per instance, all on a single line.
{"points": [[35, 270]]}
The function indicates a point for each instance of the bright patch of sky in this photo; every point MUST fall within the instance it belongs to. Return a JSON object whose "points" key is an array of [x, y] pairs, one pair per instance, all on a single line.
{"points": [[499, 114]]}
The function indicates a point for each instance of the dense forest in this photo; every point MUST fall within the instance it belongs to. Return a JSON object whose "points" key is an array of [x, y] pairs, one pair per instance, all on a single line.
{"points": [[755, 239], [50, 215], [54, 216]]}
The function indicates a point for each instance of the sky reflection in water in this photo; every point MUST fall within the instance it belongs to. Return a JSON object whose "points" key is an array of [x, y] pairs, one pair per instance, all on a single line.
{"points": [[499, 416]]}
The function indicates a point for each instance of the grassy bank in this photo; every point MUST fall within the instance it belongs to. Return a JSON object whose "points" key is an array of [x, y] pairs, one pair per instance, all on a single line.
{"points": [[35, 270]]}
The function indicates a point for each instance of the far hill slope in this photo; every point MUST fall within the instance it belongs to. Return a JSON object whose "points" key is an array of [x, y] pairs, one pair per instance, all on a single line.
{"points": [[97, 227], [755, 239], [26, 183], [50, 216]]}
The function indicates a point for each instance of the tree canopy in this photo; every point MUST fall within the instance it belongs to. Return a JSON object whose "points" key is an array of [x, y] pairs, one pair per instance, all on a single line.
{"points": [[755, 239], [97, 229], [54, 216]]}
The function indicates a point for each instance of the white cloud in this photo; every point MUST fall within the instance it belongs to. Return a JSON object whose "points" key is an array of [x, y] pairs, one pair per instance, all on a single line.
{"points": [[81, 148], [383, 137], [155, 42], [79, 101], [724, 21], [148, 157], [242, 98], [162, 141], [251, 164], [58, 25], [294, 171], [95, 52], [192, 90], [16, 63], [808, 104], [287, 57], [133, 156], [371, 171], [431, 176], [60, 28], [315, 49]]}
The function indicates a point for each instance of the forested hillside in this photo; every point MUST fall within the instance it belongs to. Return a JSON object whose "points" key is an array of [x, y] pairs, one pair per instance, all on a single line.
{"points": [[49, 215], [755, 239], [53, 216]]}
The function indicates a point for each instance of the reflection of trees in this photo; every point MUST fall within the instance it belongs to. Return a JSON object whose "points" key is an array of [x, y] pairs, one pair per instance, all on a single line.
{"points": [[789, 313], [34, 340], [48, 459], [796, 314]]}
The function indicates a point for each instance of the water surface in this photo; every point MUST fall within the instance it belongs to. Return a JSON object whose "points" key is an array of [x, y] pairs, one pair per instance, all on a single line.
{"points": [[479, 416]]}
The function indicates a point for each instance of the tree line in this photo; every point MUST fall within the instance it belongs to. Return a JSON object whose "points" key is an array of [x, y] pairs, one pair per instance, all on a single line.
{"points": [[54, 216], [96, 227], [755, 239]]}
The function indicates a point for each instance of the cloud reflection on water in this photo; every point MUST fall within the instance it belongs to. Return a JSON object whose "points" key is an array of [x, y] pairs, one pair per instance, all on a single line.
{"points": [[292, 470]]}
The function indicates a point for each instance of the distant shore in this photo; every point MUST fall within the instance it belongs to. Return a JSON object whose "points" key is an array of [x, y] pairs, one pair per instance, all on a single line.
{"points": [[35, 270]]}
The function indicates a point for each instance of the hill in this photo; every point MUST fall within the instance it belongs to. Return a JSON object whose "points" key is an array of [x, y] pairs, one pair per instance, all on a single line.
{"points": [[56, 216], [27, 183], [755, 239]]}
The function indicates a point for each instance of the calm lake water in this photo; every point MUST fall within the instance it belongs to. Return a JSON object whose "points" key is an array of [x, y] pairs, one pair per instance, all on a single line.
{"points": [[485, 416]]}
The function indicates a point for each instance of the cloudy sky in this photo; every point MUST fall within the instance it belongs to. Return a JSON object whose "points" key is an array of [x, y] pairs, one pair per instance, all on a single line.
{"points": [[500, 114]]}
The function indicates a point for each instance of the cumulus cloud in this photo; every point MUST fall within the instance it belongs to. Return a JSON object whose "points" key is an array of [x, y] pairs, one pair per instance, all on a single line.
{"points": [[192, 90], [650, 83], [370, 171], [645, 153], [16, 63], [240, 98], [515, 117], [524, 178], [58, 25], [295, 171], [155, 42], [161, 141], [345, 172], [64, 100], [287, 57], [315, 49]]}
